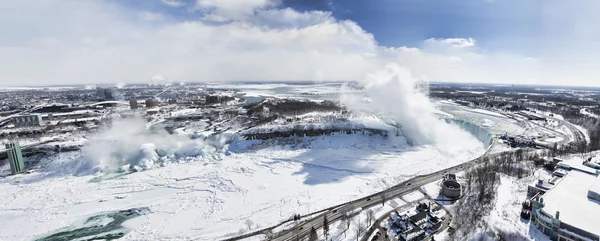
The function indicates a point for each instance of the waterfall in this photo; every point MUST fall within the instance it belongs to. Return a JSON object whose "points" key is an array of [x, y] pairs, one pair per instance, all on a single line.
{"points": [[481, 133]]}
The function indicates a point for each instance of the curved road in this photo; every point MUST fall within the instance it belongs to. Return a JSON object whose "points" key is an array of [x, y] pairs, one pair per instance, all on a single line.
{"points": [[337, 212], [410, 185]]}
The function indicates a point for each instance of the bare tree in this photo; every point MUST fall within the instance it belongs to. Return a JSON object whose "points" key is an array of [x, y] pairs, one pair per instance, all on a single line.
{"points": [[325, 227], [370, 217], [313, 235], [383, 198], [358, 228], [249, 224], [345, 224], [348, 222]]}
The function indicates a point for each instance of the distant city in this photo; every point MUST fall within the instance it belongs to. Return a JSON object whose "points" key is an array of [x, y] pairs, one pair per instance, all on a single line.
{"points": [[524, 150]]}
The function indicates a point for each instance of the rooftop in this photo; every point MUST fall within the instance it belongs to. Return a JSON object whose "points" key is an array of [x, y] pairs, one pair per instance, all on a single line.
{"points": [[570, 198]]}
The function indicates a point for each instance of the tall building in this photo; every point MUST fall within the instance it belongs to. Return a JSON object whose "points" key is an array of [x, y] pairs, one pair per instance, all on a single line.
{"points": [[108, 94], [133, 103], [15, 158]]}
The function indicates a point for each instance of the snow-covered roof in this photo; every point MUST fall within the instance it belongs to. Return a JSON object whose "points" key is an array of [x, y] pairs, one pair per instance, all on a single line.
{"points": [[576, 163], [570, 198]]}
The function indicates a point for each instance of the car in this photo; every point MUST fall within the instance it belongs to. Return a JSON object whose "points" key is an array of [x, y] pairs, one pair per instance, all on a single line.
{"points": [[376, 237], [368, 199], [408, 184]]}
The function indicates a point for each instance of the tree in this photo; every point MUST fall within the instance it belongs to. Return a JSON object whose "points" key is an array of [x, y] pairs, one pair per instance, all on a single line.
{"points": [[383, 198], [358, 228], [325, 227], [370, 217], [345, 224], [313, 235], [348, 222], [554, 150], [249, 224]]}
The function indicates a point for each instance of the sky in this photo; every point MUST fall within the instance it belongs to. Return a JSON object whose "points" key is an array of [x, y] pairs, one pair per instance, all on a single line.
{"points": [[48, 42]]}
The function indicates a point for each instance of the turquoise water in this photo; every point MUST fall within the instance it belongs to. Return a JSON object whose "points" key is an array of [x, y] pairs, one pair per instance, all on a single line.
{"points": [[106, 226]]}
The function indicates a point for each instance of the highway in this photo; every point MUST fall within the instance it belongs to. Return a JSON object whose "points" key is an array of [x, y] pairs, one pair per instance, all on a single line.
{"points": [[410, 185], [336, 213]]}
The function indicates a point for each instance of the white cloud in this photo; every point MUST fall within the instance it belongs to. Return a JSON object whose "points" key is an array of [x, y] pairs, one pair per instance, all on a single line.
{"points": [[226, 10], [150, 16], [100, 43], [173, 3], [455, 42]]}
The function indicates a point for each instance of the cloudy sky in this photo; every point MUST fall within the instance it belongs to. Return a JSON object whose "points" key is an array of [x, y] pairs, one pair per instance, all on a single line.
{"points": [[45, 42]]}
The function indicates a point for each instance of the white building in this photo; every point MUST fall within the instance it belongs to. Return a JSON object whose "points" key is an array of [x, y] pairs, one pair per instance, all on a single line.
{"points": [[26, 120]]}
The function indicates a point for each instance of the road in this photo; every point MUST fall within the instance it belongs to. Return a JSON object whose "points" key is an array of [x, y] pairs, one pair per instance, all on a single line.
{"points": [[579, 136], [335, 214], [413, 184]]}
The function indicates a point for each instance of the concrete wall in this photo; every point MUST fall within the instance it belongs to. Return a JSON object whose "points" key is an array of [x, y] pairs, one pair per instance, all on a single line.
{"points": [[451, 189]]}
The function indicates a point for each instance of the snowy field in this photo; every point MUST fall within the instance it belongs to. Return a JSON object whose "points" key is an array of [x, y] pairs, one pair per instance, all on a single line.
{"points": [[188, 197], [505, 216], [495, 123], [223, 186]]}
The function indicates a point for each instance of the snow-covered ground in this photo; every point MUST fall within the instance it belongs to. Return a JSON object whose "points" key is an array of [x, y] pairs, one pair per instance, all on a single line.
{"points": [[209, 189], [494, 123], [585, 112], [505, 216], [585, 132], [189, 196], [413, 196]]}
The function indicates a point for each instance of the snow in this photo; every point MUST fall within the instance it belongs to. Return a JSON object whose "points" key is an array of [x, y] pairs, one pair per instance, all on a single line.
{"points": [[413, 197], [487, 123], [432, 189], [208, 189], [372, 122], [505, 214], [554, 139], [188, 196], [566, 131], [585, 112], [486, 112], [243, 86], [183, 112], [585, 132], [570, 198], [443, 235], [594, 191]]}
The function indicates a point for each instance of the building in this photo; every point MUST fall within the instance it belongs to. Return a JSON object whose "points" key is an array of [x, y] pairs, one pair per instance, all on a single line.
{"points": [[151, 103], [15, 158], [26, 120], [105, 93], [450, 187], [416, 224], [539, 186], [133, 104], [569, 211]]}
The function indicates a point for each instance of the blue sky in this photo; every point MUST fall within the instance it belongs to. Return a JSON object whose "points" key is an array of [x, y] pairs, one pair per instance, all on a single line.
{"points": [[108, 41], [395, 23]]}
